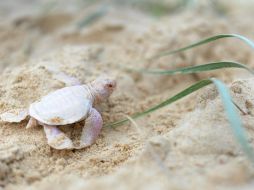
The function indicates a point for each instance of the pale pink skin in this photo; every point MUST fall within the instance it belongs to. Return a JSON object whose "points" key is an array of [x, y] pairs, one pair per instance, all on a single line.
{"points": [[100, 90]]}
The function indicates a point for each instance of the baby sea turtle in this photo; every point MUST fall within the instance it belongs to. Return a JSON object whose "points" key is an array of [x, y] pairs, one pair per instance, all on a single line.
{"points": [[66, 106]]}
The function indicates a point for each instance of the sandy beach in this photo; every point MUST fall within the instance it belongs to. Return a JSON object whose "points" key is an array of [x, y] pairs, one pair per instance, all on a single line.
{"points": [[186, 145]]}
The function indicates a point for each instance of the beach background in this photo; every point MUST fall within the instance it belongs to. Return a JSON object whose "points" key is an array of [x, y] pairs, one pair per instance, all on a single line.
{"points": [[186, 145]]}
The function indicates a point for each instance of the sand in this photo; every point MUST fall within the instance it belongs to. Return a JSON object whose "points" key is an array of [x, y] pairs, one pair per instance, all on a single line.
{"points": [[187, 145]]}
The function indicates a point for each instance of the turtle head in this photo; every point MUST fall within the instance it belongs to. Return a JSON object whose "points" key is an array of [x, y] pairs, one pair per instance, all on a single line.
{"points": [[103, 87]]}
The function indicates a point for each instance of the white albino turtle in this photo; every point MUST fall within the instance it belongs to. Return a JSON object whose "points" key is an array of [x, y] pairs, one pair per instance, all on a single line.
{"points": [[66, 106]]}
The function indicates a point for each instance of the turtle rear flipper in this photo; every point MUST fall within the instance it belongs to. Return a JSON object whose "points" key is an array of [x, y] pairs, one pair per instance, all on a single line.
{"points": [[14, 116]]}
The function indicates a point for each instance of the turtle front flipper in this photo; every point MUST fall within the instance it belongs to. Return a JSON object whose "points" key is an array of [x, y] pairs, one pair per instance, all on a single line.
{"points": [[56, 138], [14, 116], [91, 130]]}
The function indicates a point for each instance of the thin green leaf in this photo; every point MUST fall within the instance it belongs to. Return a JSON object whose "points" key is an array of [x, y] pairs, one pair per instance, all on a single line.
{"points": [[156, 8], [48, 7], [178, 96], [193, 69], [207, 40], [234, 119], [93, 17]]}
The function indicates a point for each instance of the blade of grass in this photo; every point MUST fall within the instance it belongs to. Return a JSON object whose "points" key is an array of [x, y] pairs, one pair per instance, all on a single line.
{"points": [[234, 119], [231, 113], [204, 41], [218, 7], [93, 17], [178, 96], [155, 8], [193, 69], [48, 7]]}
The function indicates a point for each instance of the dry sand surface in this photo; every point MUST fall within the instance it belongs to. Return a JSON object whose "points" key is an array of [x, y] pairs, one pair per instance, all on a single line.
{"points": [[187, 145]]}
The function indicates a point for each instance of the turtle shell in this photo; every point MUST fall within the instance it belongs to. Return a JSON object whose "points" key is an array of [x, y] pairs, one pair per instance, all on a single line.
{"points": [[64, 106]]}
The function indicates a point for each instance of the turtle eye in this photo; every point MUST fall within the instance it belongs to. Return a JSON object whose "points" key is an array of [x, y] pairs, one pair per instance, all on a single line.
{"points": [[110, 85]]}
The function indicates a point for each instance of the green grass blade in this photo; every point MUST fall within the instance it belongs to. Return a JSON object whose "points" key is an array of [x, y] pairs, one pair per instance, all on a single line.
{"points": [[231, 113], [178, 96], [207, 40], [234, 119], [93, 17], [47, 7], [193, 69]]}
